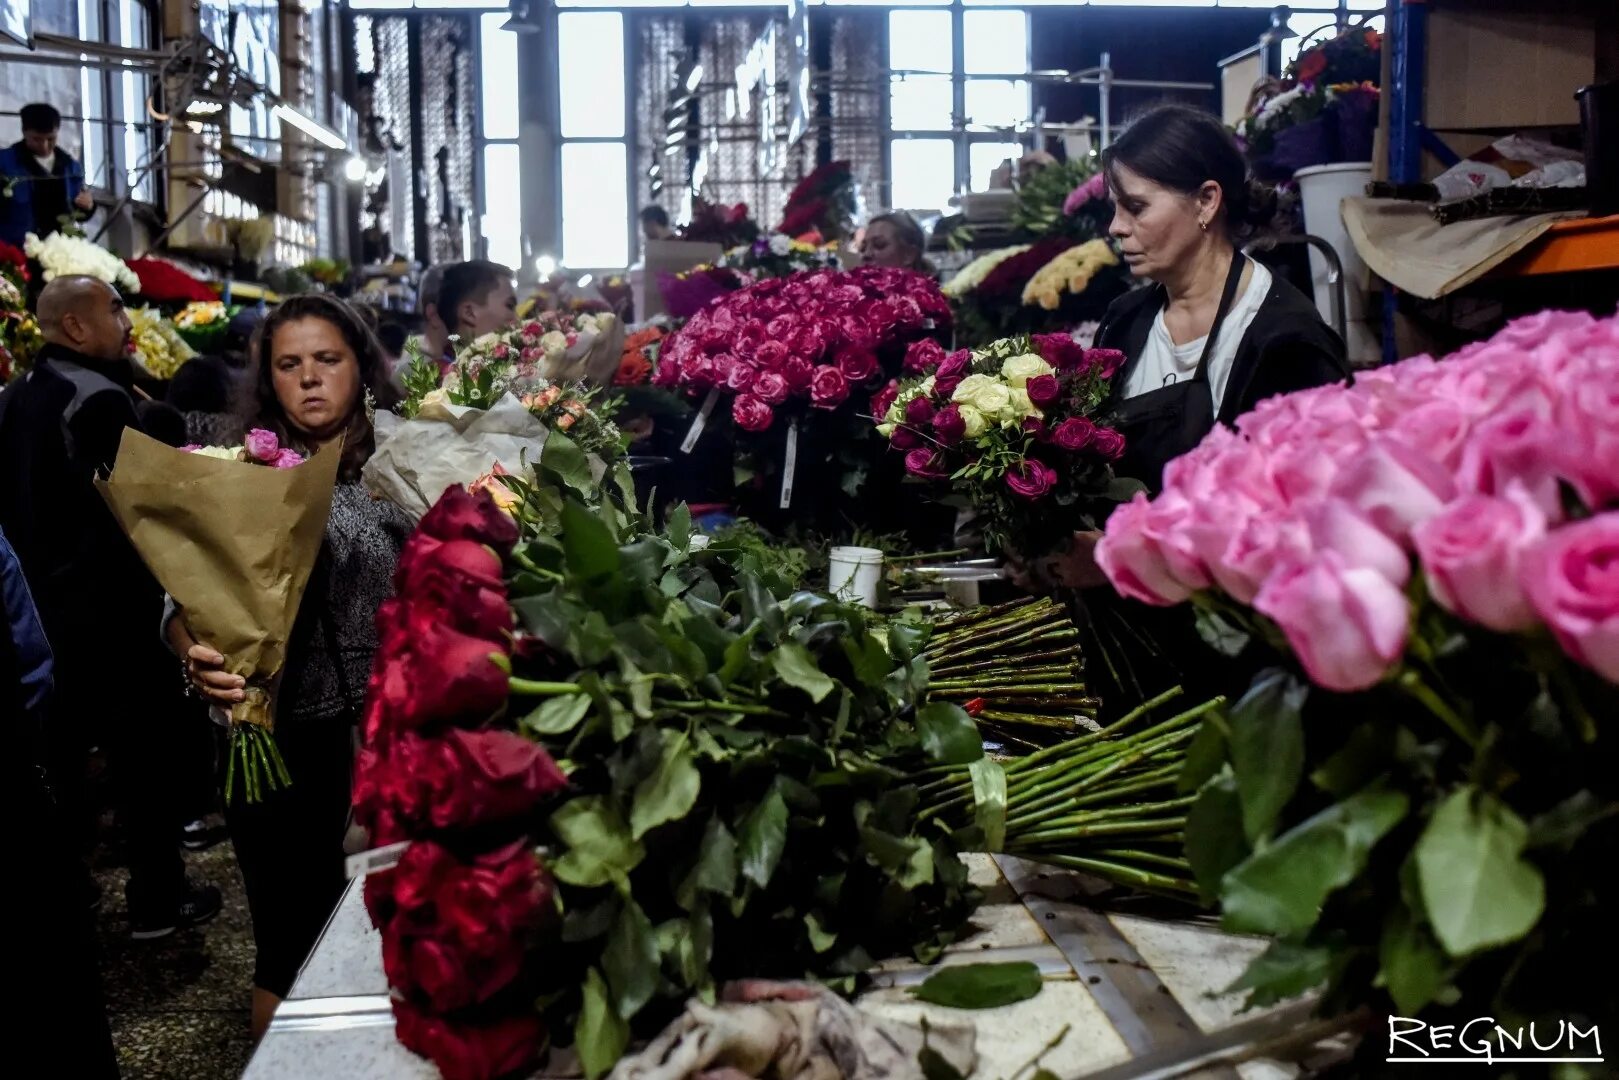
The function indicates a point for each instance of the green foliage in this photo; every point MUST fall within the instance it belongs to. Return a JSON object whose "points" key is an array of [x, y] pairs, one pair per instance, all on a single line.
{"points": [[980, 986]]}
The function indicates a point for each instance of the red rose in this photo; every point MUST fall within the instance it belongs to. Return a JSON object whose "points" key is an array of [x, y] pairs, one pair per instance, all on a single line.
{"points": [[770, 355], [467, 1051], [740, 376], [948, 426], [922, 463], [667, 374], [1108, 443], [924, 355], [459, 780], [441, 676], [699, 372], [799, 373], [1033, 425], [466, 562], [905, 438], [1061, 351], [1043, 390], [919, 410], [770, 387], [857, 365], [463, 515], [378, 893], [751, 414], [1310, 65], [882, 399], [952, 369], [1031, 479], [1105, 362], [828, 389], [1074, 433]]}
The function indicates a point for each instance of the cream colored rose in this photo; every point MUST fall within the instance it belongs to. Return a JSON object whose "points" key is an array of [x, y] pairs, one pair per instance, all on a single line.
{"points": [[224, 453], [1020, 369], [984, 393], [554, 342], [974, 420], [1022, 407], [436, 396]]}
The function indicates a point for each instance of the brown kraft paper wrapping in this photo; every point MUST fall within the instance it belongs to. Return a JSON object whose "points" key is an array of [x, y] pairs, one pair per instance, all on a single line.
{"points": [[232, 542]]}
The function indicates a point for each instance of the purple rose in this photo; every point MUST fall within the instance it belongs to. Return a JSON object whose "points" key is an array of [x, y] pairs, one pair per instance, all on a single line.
{"points": [[1033, 425], [919, 410], [1061, 351], [857, 365], [1108, 443], [286, 458], [905, 438], [922, 463], [798, 372], [740, 377], [1075, 433], [262, 445], [952, 369], [828, 388], [1043, 390], [751, 414], [923, 356], [770, 388], [1031, 479], [948, 426]]}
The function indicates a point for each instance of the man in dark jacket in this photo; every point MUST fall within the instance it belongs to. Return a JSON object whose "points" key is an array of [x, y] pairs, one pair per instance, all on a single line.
{"points": [[40, 183], [59, 428]]}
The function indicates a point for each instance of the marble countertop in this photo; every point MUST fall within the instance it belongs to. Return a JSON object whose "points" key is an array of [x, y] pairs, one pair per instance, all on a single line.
{"points": [[1129, 986]]}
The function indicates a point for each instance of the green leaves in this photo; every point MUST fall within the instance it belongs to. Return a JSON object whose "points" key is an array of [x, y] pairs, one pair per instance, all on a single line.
{"points": [[949, 736], [562, 456], [793, 663], [631, 961], [1478, 890], [1214, 840], [600, 848], [1267, 749], [980, 986], [763, 838], [587, 543], [1284, 970], [600, 1034], [715, 868], [667, 794], [1413, 968], [1280, 888], [558, 715]]}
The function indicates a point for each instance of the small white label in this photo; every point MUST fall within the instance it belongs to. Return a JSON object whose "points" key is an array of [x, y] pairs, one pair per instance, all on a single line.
{"points": [[382, 858], [929, 324], [700, 421], [789, 468]]}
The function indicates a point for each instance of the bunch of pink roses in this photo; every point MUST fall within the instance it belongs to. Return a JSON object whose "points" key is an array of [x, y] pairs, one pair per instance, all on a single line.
{"points": [[810, 337], [1497, 469]]}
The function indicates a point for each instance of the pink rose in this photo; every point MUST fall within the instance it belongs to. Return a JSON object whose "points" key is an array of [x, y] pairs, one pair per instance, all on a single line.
{"points": [[699, 372], [1262, 543], [1515, 447], [923, 356], [1347, 626], [1572, 580], [1108, 443], [923, 463], [857, 365], [286, 458], [948, 426], [262, 445], [1043, 390], [1147, 552], [1471, 552], [952, 369], [1437, 428], [1031, 479], [1533, 330], [770, 355], [1074, 433], [1588, 422], [725, 366], [740, 377], [798, 372], [770, 387], [1335, 525], [810, 343], [828, 388], [1394, 485], [918, 411], [751, 414]]}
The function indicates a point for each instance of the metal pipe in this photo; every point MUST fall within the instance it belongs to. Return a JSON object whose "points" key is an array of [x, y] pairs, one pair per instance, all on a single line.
{"points": [[1335, 272], [1104, 96]]}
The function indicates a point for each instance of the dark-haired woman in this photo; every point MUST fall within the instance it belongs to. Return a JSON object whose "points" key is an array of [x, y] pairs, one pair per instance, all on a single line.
{"points": [[316, 366], [1212, 334]]}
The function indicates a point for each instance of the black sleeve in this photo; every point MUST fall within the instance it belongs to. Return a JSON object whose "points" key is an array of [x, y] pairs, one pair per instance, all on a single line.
{"points": [[1306, 357], [96, 429]]}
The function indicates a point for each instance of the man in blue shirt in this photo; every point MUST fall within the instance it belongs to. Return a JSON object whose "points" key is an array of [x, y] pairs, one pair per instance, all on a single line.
{"points": [[32, 653], [40, 183]]}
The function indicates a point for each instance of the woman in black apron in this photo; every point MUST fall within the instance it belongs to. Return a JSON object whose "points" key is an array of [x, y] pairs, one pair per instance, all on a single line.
{"points": [[1210, 336]]}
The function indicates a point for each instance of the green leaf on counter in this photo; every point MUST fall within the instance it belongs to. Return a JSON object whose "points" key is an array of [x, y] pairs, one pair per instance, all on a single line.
{"points": [[798, 668], [1284, 970], [1267, 749], [980, 986], [600, 1034], [557, 715], [599, 845], [1280, 888], [1214, 841], [630, 960], [1477, 888], [949, 736], [763, 838], [669, 793]]}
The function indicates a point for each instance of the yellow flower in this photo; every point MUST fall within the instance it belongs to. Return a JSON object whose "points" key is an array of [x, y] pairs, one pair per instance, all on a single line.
{"points": [[985, 393], [1020, 369], [1070, 272]]}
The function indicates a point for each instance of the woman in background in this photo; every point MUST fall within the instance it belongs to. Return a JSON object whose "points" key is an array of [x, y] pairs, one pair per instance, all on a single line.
{"points": [[895, 239]]}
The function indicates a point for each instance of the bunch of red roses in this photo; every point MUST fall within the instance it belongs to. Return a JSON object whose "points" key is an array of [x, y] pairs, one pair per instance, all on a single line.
{"points": [[809, 337], [469, 893], [164, 283]]}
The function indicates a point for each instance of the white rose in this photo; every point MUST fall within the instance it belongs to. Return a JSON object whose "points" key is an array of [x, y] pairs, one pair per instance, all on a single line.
{"points": [[1020, 369], [554, 341], [974, 420], [1022, 407], [224, 453], [986, 394], [436, 396], [780, 245]]}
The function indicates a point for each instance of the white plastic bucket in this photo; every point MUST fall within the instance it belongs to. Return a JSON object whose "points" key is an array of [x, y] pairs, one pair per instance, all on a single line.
{"points": [[1322, 190], [855, 572]]}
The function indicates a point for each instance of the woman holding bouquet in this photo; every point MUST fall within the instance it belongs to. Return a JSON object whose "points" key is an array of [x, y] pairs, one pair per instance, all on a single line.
{"points": [[315, 366], [1211, 334]]}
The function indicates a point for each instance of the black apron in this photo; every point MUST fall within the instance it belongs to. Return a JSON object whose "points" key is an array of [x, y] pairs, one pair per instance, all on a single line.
{"points": [[1165, 423]]}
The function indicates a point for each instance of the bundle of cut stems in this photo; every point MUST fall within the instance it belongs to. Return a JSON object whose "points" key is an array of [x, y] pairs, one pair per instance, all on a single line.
{"points": [[1017, 668], [1103, 802]]}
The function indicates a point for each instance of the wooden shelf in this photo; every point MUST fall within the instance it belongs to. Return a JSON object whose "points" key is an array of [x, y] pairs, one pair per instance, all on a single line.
{"points": [[1568, 246]]}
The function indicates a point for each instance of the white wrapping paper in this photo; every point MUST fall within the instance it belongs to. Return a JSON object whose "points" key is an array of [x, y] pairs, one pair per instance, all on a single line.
{"points": [[448, 445]]}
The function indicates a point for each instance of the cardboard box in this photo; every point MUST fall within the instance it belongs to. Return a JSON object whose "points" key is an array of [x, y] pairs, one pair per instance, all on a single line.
{"points": [[669, 257], [1505, 65]]}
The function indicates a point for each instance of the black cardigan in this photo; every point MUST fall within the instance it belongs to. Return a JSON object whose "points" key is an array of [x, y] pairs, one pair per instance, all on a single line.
{"points": [[1287, 347]]}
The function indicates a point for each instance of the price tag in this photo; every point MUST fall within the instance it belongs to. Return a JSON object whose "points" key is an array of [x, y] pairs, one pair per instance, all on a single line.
{"points": [[700, 421], [790, 468], [369, 862]]}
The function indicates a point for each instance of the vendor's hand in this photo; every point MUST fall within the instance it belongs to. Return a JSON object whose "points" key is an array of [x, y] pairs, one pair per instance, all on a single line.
{"points": [[205, 669], [84, 201], [641, 427], [1075, 568]]}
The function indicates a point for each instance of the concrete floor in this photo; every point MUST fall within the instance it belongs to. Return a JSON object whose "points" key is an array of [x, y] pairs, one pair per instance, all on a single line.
{"points": [[179, 1006]]}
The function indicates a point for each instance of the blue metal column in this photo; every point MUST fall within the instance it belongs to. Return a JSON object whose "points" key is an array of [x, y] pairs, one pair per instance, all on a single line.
{"points": [[1408, 38]]}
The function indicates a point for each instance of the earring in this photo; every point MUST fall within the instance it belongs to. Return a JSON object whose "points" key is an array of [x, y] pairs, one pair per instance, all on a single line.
{"points": [[1204, 225]]}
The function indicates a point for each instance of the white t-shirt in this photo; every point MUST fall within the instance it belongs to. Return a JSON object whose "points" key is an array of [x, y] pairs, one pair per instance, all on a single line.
{"points": [[1164, 363], [46, 163]]}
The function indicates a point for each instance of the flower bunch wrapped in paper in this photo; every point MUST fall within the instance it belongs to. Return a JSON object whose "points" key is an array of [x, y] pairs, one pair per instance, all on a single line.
{"points": [[824, 203], [1435, 547], [1323, 111], [231, 533], [62, 255], [159, 349], [204, 324], [1012, 431], [164, 283]]}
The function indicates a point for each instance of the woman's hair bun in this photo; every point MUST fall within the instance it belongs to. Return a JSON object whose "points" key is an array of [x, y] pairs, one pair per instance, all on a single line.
{"points": [[1256, 209]]}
